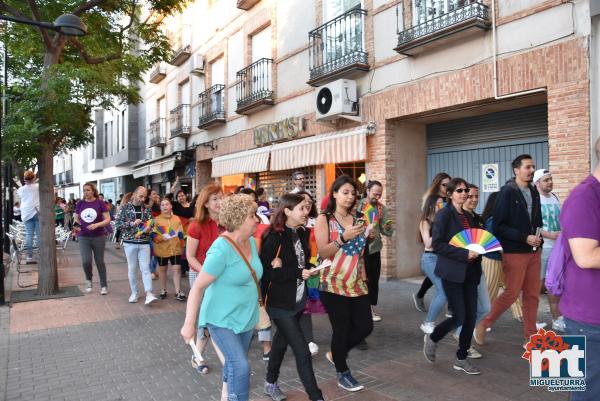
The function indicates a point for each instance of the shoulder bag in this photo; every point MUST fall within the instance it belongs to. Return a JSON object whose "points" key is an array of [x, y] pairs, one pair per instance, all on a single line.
{"points": [[264, 322]]}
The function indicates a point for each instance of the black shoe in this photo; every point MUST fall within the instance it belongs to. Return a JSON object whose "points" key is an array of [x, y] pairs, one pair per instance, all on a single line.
{"points": [[363, 346], [163, 294], [180, 297]]}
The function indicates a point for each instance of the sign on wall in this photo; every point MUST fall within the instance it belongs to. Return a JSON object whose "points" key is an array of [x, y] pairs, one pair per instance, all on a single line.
{"points": [[285, 129], [108, 190], [490, 180]]}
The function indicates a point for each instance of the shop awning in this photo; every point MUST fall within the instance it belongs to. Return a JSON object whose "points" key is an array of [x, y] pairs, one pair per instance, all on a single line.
{"points": [[339, 147], [249, 161], [157, 167]]}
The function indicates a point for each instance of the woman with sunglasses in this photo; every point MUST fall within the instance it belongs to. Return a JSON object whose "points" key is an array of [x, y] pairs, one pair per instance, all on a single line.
{"points": [[460, 271], [434, 199], [483, 300]]}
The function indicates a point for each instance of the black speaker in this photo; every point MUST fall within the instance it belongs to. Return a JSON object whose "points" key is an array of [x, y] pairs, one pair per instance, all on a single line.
{"points": [[324, 100]]}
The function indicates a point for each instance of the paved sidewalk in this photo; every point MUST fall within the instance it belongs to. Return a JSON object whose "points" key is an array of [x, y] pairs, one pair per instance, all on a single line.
{"points": [[103, 348]]}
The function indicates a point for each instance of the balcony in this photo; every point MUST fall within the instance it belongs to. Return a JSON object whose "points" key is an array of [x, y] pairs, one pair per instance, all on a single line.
{"points": [[211, 107], [181, 45], [246, 4], [158, 132], [444, 21], [158, 73], [337, 48], [255, 86], [180, 121]]}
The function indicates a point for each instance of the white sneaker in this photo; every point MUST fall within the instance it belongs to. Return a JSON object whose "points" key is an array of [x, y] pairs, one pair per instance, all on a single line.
{"points": [[541, 325], [150, 298], [313, 348], [88, 285], [427, 327], [376, 317], [103, 291], [133, 298], [559, 324], [473, 353]]}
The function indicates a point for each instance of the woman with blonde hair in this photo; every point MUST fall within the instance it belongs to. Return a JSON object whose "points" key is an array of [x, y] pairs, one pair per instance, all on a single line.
{"points": [[229, 283]]}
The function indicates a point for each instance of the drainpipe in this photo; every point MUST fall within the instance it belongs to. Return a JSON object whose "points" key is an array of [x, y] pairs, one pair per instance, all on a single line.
{"points": [[495, 65]]}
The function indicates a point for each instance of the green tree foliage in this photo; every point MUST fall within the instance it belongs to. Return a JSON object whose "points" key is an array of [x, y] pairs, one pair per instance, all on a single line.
{"points": [[56, 81]]}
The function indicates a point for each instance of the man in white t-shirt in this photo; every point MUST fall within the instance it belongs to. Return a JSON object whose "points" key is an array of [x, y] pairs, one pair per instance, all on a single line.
{"points": [[299, 183], [550, 204], [30, 206]]}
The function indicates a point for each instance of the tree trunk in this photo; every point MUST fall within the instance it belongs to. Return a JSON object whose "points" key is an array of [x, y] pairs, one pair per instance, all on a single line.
{"points": [[48, 271]]}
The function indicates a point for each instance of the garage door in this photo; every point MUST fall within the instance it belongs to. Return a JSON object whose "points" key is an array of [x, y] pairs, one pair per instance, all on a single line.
{"points": [[461, 147]]}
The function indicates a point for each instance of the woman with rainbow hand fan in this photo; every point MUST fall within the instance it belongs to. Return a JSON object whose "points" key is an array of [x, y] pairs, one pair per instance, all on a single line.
{"points": [[167, 236], [460, 271]]}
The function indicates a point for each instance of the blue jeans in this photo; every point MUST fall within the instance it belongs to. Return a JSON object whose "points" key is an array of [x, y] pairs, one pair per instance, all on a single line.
{"points": [[484, 305], [138, 255], [236, 369], [428, 261], [592, 359], [32, 225]]}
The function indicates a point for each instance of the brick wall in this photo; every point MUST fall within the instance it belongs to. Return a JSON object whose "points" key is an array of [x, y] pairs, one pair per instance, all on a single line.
{"points": [[561, 68]]}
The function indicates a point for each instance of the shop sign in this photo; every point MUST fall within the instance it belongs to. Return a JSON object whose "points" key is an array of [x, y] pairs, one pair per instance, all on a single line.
{"points": [[490, 178], [282, 130]]}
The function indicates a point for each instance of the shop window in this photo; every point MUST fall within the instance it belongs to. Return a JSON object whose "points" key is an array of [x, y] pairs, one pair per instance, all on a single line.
{"points": [[356, 170], [230, 183], [278, 183]]}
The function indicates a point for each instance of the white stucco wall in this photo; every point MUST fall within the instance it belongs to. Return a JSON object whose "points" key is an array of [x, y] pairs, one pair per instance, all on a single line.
{"points": [[292, 74], [294, 20], [386, 38]]}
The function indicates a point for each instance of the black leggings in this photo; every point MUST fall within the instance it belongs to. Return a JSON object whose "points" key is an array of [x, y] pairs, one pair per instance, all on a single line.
{"points": [[289, 333], [425, 286], [373, 269], [462, 298], [351, 322]]}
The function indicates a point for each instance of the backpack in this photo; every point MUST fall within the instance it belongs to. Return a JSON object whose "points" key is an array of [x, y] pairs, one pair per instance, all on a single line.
{"points": [[557, 265]]}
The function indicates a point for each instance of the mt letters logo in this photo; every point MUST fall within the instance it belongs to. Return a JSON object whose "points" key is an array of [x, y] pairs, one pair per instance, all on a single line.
{"points": [[556, 362]]}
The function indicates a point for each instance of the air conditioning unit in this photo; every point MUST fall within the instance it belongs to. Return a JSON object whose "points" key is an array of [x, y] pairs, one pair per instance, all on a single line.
{"points": [[336, 99], [178, 144], [197, 65]]}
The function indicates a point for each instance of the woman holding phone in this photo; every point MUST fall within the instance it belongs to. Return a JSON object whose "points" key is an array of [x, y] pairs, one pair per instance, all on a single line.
{"points": [[340, 238], [285, 257]]}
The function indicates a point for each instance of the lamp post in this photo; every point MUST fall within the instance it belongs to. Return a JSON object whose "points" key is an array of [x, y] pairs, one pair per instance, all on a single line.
{"points": [[67, 25]]}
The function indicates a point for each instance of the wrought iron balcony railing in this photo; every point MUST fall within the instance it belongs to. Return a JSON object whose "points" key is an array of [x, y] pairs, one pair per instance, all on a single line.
{"points": [[158, 73], [158, 132], [337, 48], [180, 122], [437, 19], [211, 106], [181, 45], [255, 86]]}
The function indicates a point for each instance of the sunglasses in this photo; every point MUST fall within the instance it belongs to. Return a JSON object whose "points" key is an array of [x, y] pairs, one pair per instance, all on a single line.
{"points": [[461, 190]]}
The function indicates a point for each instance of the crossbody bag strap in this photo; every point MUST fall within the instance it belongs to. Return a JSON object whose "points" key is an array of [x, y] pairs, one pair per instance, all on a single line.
{"points": [[252, 272]]}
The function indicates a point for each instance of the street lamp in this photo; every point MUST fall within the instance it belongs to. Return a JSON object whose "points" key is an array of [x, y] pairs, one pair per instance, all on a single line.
{"points": [[66, 24]]}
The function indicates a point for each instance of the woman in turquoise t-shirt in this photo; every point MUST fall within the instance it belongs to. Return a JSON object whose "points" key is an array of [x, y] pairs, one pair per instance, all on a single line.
{"points": [[230, 305]]}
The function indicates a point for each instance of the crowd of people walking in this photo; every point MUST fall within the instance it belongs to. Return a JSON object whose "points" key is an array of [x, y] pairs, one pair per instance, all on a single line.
{"points": [[257, 268]]}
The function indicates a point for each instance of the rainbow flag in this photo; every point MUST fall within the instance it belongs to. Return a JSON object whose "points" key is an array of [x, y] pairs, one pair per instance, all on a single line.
{"points": [[166, 232], [370, 213], [142, 227]]}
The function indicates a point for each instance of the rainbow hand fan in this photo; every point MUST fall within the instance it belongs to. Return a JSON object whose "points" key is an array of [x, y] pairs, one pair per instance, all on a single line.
{"points": [[166, 232], [142, 227], [370, 214], [476, 239]]}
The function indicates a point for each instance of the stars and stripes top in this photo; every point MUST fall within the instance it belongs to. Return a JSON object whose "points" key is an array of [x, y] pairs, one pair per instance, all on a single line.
{"points": [[345, 275]]}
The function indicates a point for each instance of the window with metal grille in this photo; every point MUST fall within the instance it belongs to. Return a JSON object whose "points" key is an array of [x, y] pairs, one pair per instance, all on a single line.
{"points": [[278, 183], [354, 170]]}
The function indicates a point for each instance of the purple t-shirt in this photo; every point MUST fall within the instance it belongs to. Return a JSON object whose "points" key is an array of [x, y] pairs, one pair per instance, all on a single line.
{"points": [[580, 218], [90, 213]]}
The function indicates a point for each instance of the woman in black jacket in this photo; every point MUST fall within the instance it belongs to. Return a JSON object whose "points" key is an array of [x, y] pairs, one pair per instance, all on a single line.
{"points": [[285, 256], [460, 271]]}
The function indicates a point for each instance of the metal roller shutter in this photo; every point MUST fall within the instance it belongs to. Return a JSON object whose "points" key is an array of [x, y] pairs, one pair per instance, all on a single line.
{"points": [[277, 183], [461, 147]]}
